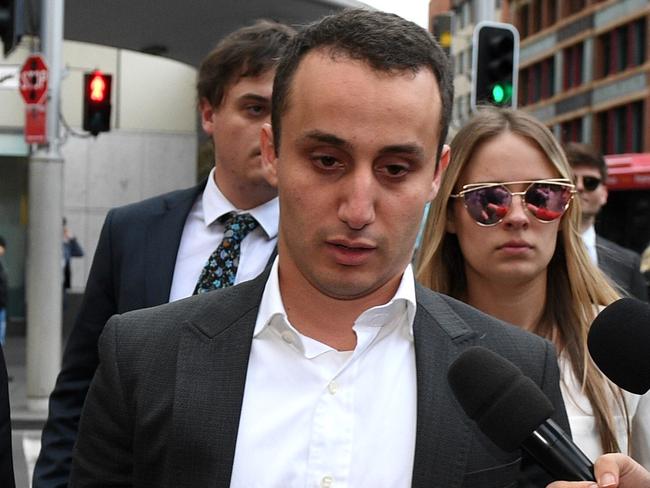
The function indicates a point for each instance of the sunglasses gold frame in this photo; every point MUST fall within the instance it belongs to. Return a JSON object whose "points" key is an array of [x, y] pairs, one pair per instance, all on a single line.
{"points": [[551, 181]]}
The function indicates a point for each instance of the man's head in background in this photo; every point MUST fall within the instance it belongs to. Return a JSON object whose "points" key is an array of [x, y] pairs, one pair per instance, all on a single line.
{"points": [[590, 174], [234, 86]]}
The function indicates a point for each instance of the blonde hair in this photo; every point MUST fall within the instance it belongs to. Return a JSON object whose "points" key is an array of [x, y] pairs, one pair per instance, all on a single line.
{"points": [[575, 286]]}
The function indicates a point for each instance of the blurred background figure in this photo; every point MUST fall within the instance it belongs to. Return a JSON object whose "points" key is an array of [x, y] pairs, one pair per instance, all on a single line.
{"points": [[4, 292], [620, 264], [512, 251], [6, 458], [71, 249]]}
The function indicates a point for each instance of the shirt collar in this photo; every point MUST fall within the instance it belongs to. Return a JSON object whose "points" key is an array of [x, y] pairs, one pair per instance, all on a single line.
{"points": [[589, 240], [215, 204], [273, 314]]}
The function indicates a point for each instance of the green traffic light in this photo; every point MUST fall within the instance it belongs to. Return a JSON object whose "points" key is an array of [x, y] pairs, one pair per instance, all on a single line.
{"points": [[501, 93], [498, 93]]}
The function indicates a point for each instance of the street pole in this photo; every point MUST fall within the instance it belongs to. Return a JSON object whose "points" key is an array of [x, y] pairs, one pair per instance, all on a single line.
{"points": [[45, 229], [484, 10]]}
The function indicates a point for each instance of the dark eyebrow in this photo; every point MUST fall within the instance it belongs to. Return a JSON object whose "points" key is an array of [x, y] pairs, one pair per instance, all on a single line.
{"points": [[411, 149], [324, 137], [319, 136], [254, 97]]}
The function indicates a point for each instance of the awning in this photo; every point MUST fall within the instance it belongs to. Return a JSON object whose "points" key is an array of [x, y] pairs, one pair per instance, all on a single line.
{"points": [[628, 171]]}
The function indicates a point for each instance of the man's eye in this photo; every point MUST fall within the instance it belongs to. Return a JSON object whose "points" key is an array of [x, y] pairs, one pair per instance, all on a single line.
{"points": [[325, 161], [255, 109], [395, 169]]}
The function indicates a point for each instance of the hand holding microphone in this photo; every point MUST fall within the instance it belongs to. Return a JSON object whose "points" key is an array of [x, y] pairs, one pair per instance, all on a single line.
{"points": [[612, 471]]}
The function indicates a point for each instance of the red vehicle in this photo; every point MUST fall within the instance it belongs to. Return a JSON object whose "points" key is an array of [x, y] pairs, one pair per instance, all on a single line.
{"points": [[626, 217]]}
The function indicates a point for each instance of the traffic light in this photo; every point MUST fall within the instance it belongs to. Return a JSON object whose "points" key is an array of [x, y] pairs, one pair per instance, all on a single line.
{"points": [[495, 65], [97, 102], [11, 23], [441, 29]]}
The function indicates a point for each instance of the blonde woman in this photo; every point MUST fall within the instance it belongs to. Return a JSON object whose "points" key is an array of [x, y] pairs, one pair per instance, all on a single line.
{"points": [[502, 235]]}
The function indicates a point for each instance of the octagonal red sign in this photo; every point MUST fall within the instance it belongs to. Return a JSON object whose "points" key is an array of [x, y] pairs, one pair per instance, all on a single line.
{"points": [[33, 79]]}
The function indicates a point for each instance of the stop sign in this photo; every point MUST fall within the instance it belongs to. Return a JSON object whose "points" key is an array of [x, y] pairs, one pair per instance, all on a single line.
{"points": [[33, 79]]}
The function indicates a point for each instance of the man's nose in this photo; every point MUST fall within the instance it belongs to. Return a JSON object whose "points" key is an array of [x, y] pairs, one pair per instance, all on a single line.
{"points": [[358, 199]]}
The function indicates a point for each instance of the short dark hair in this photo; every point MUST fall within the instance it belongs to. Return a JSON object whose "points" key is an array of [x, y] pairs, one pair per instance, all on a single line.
{"points": [[3, 243], [249, 51], [385, 41], [579, 154]]}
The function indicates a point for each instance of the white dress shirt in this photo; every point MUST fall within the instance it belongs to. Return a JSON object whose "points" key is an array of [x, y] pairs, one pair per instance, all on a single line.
{"points": [[313, 416], [202, 234], [583, 422], [589, 239]]}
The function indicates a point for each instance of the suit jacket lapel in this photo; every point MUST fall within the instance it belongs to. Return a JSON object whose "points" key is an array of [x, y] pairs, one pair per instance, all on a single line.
{"points": [[163, 237], [443, 434], [212, 363]]}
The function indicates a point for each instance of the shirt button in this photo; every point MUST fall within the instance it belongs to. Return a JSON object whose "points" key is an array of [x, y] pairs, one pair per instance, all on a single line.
{"points": [[287, 336], [332, 387], [326, 482]]}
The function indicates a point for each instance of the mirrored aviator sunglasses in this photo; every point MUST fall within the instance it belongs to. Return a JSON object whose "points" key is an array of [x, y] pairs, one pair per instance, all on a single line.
{"points": [[489, 203]]}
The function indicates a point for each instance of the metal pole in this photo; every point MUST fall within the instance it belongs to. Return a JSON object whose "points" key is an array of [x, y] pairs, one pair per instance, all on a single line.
{"points": [[45, 230], [484, 10]]}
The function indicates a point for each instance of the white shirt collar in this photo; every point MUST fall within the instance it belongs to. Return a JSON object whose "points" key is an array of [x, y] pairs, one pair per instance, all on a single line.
{"points": [[215, 204], [273, 313], [589, 239]]}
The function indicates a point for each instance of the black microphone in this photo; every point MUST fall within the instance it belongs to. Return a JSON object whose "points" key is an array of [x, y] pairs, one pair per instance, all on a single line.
{"points": [[619, 343], [513, 412]]}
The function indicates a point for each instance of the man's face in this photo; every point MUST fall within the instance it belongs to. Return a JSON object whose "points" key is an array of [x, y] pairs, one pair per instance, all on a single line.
{"points": [[591, 201], [355, 168], [235, 130]]}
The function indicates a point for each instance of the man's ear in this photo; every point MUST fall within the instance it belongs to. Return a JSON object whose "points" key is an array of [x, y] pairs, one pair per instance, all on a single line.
{"points": [[440, 170], [207, 115], [269, 158]]}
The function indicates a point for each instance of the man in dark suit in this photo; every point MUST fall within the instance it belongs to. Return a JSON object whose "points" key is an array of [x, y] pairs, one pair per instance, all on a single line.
{"points": [[330, 368], [170, 246], [6, 456], [620, 264]]}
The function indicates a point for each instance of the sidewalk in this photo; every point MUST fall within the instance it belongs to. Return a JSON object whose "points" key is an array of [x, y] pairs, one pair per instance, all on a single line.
{"points": [[26, 425], [15, 356]]}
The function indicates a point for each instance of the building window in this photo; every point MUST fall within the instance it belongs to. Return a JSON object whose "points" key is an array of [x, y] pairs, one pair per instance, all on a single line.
{"points": [[620, 129], [522, 15], [572, 73], [537, 16], [622, 48], [571, 7], [571, 130], [537, 82], [551, 12]]}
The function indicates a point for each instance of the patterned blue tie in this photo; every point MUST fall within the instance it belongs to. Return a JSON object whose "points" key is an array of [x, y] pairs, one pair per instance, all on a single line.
{"points": [[221, 268]]}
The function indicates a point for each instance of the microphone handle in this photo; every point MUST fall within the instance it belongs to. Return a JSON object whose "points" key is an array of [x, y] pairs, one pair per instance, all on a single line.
{"points": [[557, 454]]}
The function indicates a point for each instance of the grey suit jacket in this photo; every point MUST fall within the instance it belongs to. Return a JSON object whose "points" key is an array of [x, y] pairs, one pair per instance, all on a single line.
{"points": [[163, 409], [623, 267]]}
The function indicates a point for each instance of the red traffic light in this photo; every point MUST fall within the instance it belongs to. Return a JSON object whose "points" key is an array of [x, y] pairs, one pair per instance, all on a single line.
{"points": [[97, 102], [97, 87]]}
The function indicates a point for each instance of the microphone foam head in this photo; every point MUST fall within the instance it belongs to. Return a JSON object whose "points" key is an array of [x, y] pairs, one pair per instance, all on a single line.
{"points": [[506, 405], [619, 343]]}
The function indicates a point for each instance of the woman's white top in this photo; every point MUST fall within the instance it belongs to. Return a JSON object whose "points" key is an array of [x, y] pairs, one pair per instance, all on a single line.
{"points": [[583, 423]]}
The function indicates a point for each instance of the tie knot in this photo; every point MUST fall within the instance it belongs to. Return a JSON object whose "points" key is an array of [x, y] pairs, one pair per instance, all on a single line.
{"points": [[237, 226]]}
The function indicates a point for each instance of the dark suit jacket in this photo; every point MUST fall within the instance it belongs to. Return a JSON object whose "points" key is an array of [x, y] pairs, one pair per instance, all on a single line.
{"points": [[6, 457], [623, 267], [164, 407], [132, 268]]}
